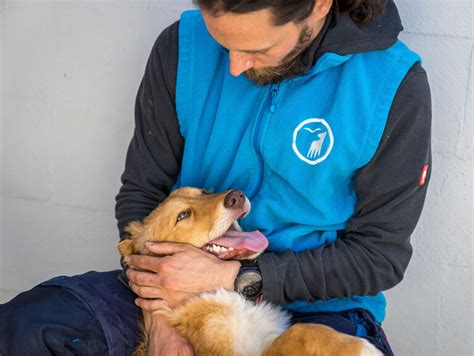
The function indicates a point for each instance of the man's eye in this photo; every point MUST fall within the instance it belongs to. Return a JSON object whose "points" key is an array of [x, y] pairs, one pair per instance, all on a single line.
{"points": [[183, 215]]}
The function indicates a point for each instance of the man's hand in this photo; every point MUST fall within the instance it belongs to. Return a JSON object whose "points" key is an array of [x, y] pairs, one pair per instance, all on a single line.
{"points": [[163, 339], [184, 272]]}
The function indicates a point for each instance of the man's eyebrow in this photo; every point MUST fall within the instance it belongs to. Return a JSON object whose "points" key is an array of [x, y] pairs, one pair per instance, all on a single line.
{"points": [[250, 51], [253, 51]]}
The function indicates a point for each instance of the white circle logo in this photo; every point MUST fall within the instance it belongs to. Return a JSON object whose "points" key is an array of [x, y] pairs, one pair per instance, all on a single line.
{"points": [[313, 141]]}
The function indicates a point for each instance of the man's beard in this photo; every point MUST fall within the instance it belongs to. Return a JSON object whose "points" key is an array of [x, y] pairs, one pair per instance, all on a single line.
{"points": [[289, 67]]}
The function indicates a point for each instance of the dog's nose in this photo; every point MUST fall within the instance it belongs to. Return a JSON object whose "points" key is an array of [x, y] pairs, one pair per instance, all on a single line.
{"points": [[234, 199]]}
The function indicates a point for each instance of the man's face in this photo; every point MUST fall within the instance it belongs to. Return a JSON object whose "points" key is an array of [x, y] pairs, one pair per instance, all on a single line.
{"points": [[265, 53]]}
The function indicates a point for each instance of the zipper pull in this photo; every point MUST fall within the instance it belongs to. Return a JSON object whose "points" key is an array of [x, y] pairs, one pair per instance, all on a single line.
{"points": [[274, 92]]}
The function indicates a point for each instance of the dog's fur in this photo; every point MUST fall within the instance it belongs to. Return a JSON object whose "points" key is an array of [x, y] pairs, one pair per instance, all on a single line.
{"points": [[224, 322]]}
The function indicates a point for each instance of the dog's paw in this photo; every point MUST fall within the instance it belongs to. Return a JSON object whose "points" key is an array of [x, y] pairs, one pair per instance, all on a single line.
{"points": [[370, 350]]}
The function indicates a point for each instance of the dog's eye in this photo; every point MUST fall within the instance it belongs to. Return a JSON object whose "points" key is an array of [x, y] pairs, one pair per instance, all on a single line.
{"points": [[183, 215], [206, 192]]}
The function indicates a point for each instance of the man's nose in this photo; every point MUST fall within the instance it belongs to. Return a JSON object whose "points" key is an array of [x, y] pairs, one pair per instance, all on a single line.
{"points": [[239, 63]]}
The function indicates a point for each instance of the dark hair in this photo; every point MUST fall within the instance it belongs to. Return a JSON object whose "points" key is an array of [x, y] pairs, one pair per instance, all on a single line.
{"points": [[362, 12]]}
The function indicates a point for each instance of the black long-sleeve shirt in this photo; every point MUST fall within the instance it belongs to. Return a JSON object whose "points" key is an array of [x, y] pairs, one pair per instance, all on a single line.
{"points": [[373, 252]]}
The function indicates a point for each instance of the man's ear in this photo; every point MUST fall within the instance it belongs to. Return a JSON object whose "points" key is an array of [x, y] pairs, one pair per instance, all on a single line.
{"points": [[321, 9]]}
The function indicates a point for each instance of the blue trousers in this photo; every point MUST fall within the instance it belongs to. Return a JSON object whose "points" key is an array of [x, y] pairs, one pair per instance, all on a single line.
{"points": [[94, 314]]}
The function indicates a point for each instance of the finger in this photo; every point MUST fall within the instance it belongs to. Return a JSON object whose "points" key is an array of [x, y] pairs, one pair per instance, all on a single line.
{"points": [[144, 262], [145, 292], [185, 350], [152, 304], [141, 278], [182, 349], [167, 248], [177, 348]]}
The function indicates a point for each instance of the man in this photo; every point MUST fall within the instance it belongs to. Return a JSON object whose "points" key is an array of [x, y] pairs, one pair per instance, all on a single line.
{"points": [[316, 112]]}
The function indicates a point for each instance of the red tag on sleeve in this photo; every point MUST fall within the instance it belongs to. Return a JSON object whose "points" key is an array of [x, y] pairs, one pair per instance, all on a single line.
{"points": [[424, 174]]}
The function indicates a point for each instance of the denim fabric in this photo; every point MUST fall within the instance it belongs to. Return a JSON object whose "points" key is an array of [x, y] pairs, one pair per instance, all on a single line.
{"points": [[357, 322], [89, 314], [95, 314]]}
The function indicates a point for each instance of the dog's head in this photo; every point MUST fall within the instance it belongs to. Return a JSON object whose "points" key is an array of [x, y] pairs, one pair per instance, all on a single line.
{"points": [[202, 219]]}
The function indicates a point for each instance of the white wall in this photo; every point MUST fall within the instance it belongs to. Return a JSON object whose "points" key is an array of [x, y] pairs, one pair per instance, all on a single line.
{"points": [[71, 70], [70, 73], [431, 311]]}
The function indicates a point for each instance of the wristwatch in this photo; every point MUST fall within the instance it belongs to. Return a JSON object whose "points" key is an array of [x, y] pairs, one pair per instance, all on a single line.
{"points": [[249, 280]]}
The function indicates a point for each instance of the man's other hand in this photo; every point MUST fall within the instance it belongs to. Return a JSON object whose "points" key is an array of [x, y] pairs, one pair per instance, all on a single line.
{"points": [[163, 339]]}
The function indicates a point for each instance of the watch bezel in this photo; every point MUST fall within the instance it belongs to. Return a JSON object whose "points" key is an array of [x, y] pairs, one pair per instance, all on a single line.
{"points": [[249, 289]]}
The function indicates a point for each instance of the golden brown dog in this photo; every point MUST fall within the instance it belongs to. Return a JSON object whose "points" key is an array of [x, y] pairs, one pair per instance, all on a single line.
{"points": [[225, 323]]}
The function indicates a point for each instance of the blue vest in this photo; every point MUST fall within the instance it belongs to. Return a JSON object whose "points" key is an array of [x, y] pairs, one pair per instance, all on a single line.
{"points": [[292, 147]]}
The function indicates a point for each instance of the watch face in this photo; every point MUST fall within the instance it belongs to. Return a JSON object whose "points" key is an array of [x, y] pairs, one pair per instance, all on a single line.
{"points": [[249, 284]]}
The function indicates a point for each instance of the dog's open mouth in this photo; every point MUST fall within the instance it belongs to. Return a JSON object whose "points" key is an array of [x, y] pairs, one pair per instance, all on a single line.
{"points": [[238, 245]]}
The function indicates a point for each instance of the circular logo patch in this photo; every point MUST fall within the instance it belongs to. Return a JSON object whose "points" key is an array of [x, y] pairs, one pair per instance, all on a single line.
{"points": [[313, 141]]}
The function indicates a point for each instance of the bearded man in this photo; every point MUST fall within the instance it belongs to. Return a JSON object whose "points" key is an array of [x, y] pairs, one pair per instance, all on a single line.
{"points": [[318, 113]]}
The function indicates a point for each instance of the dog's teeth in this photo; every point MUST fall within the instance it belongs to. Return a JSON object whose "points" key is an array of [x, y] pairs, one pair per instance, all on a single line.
{"points": [[218, 249]]}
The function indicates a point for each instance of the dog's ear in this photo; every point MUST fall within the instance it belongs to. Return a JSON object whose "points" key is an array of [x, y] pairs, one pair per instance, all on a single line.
{"points": [[126, 247], [130, 246], [135, 229]]}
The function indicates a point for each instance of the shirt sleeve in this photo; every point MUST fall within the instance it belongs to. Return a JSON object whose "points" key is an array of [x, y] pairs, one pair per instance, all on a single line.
{"points": [[155, 152], [372, 253]]}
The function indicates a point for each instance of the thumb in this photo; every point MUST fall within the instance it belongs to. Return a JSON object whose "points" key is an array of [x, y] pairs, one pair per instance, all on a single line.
{"points": [[165, 248]]}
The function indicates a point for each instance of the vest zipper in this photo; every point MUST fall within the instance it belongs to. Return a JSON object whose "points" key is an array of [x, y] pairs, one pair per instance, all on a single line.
{"points": [[274, 92], [271, 107]]}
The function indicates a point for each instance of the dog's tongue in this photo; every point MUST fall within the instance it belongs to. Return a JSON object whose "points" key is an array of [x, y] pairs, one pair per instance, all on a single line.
{"points": [[253, 241]]}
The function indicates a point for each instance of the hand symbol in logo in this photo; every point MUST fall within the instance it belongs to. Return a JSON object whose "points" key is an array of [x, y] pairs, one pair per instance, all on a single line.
{"points": [[315, 149]]}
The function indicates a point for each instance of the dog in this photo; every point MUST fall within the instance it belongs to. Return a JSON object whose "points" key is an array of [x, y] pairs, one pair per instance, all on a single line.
{"points": [[224, 322]]}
